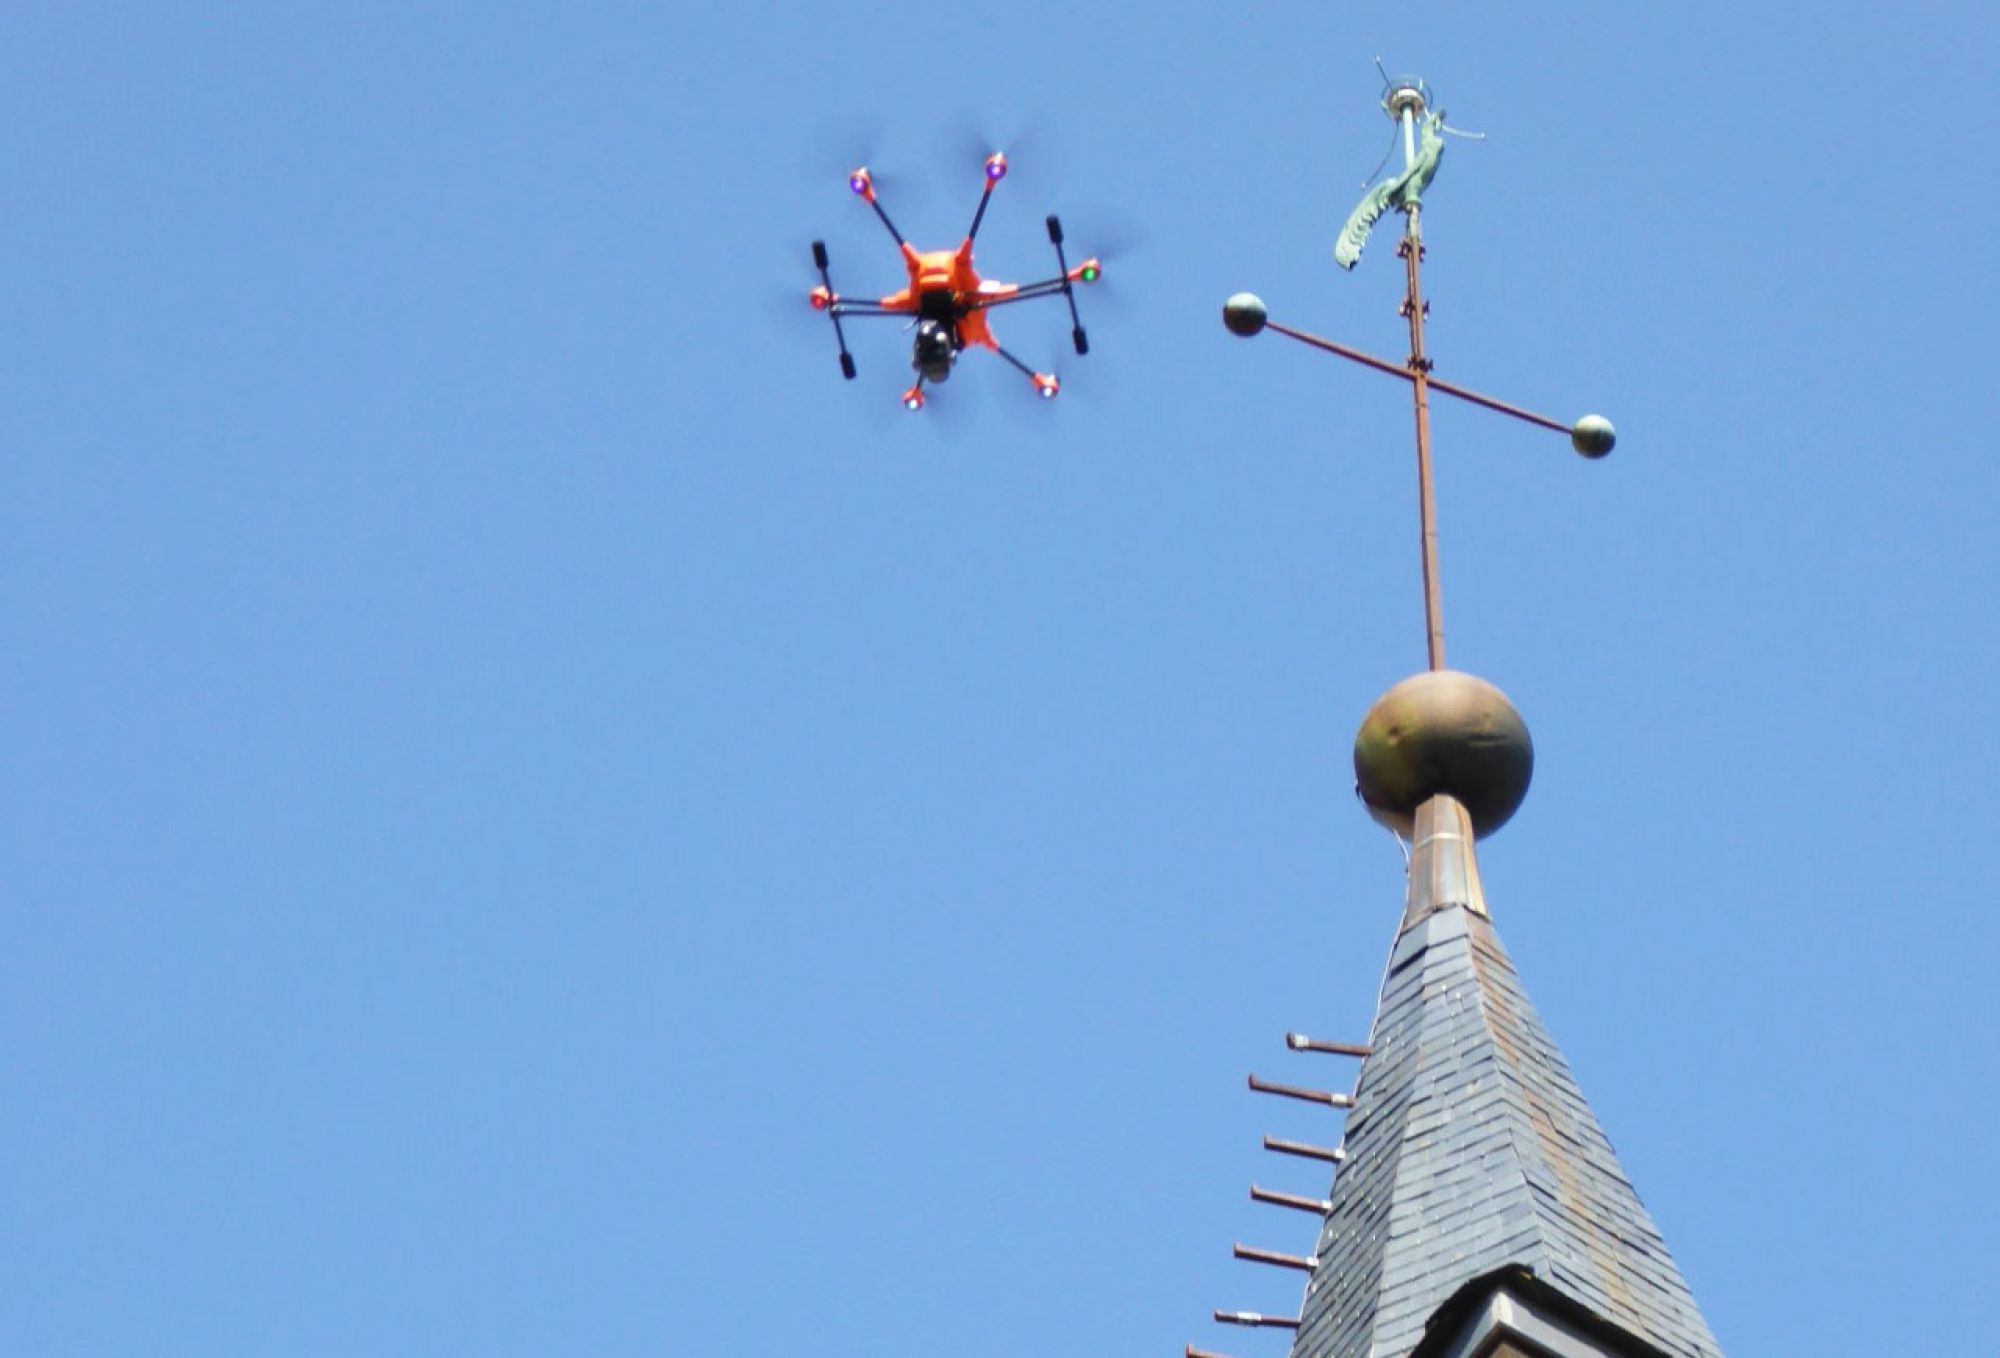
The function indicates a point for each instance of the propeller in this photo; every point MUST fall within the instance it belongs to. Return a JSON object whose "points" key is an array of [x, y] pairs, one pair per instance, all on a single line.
{"points": [[838, 149], [970, 140]]}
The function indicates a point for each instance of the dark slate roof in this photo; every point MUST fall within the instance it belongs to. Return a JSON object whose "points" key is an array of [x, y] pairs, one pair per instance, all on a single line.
{"points": [[1469, 1149]]}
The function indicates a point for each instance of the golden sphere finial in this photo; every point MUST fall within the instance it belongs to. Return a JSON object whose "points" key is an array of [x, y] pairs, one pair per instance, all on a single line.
{"points": [[1443, 731]]}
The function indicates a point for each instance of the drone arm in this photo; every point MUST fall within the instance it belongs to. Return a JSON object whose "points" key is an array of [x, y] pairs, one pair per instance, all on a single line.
{"points": [[1046, 385], [1086, 272], [1027, 292], [893, 232], [863, 185], [824, 298], [996, 170]]}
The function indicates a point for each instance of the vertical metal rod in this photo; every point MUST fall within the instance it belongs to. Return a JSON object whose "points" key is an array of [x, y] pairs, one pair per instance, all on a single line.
{"points": [[1412, 251]]}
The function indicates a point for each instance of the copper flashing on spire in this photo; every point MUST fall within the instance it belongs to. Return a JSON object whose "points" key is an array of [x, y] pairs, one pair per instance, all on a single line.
{"points": [[1443, 871]]}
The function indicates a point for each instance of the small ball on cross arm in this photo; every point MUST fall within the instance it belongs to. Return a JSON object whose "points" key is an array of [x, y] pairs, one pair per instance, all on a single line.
{"points": [[1593, 436], [1244, 314]]}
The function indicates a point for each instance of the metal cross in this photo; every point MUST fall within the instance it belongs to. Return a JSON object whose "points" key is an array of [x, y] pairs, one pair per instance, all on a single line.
{"points": [[1407, 100]]}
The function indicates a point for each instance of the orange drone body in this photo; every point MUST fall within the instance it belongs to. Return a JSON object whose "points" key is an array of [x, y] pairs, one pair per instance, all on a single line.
{"points": [[951, 271], [948, 298]]}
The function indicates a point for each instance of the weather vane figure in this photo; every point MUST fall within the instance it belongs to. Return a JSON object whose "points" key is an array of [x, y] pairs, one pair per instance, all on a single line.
{"points": [[1407, 100]]}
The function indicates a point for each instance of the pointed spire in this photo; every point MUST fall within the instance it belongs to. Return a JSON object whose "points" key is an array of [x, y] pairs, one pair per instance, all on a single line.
{"points": [[1472, 1157]]}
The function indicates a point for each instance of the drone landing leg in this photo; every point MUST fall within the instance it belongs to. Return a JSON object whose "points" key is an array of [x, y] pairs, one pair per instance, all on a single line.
{"points": [[1076, 335], [831, 305]]}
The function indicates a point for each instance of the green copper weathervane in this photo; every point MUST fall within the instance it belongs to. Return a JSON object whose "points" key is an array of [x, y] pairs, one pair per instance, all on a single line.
{"points": [[1408, 103]]}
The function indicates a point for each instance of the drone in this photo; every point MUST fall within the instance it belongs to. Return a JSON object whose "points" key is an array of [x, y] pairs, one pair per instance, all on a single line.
{"points": [[948, 299]]}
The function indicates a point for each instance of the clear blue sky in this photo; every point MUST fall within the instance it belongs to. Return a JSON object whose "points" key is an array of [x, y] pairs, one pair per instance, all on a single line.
{"points": [[537, 819]]}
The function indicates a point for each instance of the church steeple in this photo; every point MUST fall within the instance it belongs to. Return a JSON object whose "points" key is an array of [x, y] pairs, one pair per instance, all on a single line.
{"points": [[1474, 1171], [1477, 1208]]}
